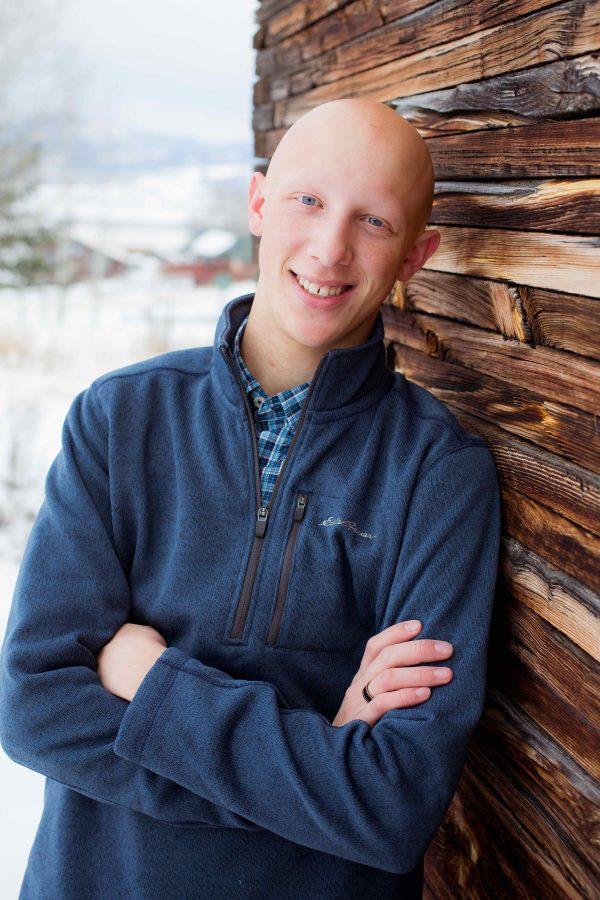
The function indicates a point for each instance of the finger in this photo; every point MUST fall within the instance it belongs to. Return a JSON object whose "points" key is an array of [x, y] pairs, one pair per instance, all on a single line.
{"points": [[405, 697], [408, 677], [404, 654], [398, 632]]}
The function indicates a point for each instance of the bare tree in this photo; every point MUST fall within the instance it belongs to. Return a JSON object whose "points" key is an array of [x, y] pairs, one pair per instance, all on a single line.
{"points": [[29, 77]]}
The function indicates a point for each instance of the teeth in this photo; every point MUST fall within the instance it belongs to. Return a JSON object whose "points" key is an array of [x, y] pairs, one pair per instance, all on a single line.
{"points": [[320, 291]]}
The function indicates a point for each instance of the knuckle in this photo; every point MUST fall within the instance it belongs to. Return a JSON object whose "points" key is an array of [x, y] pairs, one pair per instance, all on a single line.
{"points": [[380, 704], [420, 650], [385, 680], [430, 649], [384, 654]]}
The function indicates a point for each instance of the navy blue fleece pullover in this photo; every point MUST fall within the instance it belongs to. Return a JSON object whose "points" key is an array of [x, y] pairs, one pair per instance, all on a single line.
{"points": [[224, 777]]}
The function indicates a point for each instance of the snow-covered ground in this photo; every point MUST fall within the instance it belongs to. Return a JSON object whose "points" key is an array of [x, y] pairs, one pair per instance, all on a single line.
{"points": [[53, 343]]}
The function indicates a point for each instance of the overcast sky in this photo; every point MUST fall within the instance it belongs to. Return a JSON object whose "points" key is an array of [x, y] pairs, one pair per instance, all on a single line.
{"points": [[177, 67]]}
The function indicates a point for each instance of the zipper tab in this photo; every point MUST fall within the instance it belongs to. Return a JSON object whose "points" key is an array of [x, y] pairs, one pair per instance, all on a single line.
{"points": [[261, 521], [300, 507]]}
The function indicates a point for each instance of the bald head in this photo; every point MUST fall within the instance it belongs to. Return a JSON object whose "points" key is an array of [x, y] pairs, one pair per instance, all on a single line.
{"points": [[361, 136]]}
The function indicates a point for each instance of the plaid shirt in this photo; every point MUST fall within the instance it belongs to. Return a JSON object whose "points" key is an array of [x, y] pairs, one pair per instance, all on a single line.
{"points": [[275, 420]]}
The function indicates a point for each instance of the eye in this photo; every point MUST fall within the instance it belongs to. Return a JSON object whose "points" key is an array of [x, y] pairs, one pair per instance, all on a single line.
{"points": [[308, 196], [378, 220]]}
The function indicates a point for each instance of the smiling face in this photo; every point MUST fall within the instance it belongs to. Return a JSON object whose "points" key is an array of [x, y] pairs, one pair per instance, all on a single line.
{"points": [[346, 196]]}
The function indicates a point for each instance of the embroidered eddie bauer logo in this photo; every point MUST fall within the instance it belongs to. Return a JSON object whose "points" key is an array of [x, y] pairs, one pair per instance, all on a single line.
{"points": [[348, 524]]}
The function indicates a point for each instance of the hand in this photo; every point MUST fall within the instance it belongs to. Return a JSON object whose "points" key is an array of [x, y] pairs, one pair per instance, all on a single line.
{"points": [[124, 662], [392, 687]]}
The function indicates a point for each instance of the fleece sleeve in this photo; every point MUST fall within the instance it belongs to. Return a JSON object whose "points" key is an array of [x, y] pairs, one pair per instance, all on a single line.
{"points": [[372, 795], [71, 596]]}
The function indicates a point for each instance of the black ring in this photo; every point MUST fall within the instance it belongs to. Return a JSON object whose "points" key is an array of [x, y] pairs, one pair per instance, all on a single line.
{"points": [[365, 692]]}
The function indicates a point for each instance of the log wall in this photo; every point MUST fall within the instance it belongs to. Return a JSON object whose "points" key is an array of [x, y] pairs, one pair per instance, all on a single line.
{"points": [[503, 325]]}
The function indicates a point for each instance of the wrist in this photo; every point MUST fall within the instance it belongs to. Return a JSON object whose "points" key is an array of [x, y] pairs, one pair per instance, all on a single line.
{"points": [[151, 658]]}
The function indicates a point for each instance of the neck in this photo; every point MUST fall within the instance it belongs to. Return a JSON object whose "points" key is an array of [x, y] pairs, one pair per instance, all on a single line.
{"points": [[276, 361]]}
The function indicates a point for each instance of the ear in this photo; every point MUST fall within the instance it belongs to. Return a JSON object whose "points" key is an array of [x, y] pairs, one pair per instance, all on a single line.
{"points": [[256, 198], [424, 247]]}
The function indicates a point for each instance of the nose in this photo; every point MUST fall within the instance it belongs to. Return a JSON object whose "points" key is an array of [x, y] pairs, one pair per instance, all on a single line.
{"points": [[330, 244]]}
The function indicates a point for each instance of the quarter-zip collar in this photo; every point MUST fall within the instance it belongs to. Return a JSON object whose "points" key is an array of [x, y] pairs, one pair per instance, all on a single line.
{"points": [[346, 379]]}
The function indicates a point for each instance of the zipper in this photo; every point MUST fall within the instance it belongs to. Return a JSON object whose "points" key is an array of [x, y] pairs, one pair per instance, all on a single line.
{"points": [[275, 628], [263, 512]]}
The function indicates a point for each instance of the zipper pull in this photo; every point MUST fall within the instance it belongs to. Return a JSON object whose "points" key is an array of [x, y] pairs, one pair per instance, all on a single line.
{"points": [[261, 521], [300, 507]]}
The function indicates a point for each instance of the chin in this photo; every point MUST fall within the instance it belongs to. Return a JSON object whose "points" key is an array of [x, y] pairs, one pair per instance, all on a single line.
{"points": [[314, 334]]}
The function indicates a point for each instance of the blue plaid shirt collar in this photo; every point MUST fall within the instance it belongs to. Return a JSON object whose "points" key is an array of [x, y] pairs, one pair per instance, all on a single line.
{"points": [[271, 413]]}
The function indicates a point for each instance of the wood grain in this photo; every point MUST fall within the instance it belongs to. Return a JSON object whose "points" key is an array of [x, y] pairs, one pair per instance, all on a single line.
{"points": [[567, 489], [560, 204], [555, 90], [553, 373], [507, 833], [562, 31], [562, 429], [535, 316], [556, 597]]}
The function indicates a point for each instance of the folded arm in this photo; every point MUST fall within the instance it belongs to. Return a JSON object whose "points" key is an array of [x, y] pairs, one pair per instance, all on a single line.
{"points": [[71, 596], [372, 795]]}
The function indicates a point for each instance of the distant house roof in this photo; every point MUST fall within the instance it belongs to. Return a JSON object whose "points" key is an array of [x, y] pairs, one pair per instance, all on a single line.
{"points": [[93, 239]]}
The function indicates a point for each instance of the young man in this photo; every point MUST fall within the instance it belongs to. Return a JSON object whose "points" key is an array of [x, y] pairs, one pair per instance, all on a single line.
{"points": [[206, 653]]}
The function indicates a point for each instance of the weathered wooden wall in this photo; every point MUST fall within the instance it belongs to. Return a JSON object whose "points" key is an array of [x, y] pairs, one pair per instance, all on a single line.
{"points": [[502, 324]]}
